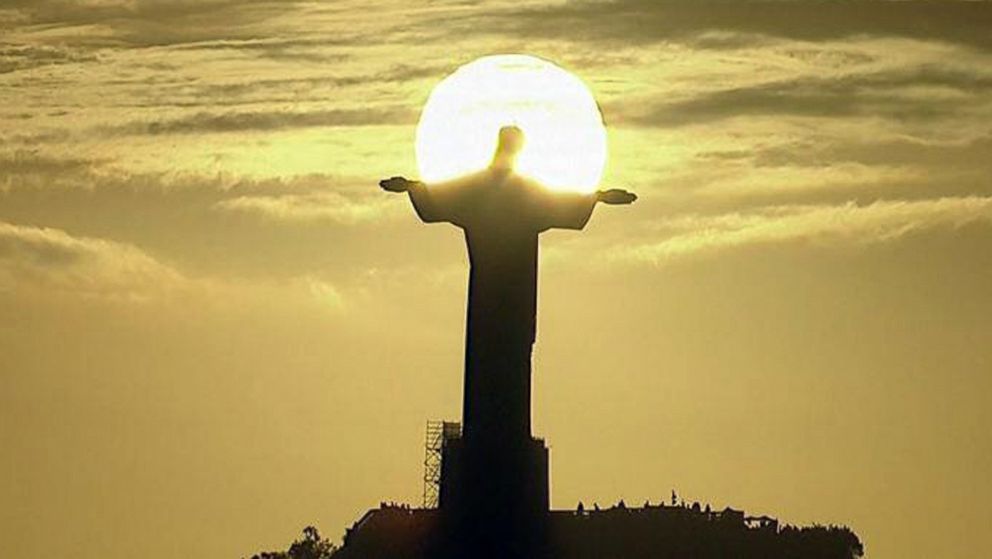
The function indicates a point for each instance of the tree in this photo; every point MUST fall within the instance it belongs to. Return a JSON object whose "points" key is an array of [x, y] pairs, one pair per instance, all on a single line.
{"points": [[310, 546]]}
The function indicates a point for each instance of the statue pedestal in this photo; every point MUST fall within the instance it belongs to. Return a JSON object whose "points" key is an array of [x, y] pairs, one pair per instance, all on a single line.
{"points": [[494, 498]]}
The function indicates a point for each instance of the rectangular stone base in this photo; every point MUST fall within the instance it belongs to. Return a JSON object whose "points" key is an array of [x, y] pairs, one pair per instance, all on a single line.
{"points": [[495, 499]]}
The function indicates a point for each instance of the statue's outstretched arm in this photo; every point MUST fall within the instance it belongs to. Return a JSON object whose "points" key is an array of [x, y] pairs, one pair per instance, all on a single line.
{"points": [[438, 202], [615, 196], [572, 210], [565, 210], [397, 184], [420, 196]]}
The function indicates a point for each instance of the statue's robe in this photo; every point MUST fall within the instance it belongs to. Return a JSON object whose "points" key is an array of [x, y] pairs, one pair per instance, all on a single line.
{"points": [[502, 215]]}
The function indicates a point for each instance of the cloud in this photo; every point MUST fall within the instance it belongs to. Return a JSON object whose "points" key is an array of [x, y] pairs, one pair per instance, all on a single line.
{"points": [[847, 224], [48, 263], [152, 22], [219, 225], [322, 292], [311, 207], [836, 165], [646, 21], [960, 155], [17, 165], [15, 57], [274, 29], [209, 122], [295, 90], [46, 259], [314, 50], [11, 16], [923, 93]]}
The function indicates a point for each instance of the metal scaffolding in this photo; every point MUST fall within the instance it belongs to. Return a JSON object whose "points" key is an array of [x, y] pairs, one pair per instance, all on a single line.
{"points": [[437, 433]]}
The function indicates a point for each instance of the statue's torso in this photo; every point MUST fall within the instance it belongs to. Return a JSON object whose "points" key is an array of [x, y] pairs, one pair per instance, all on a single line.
{"points": [[502, 215], [501, 231]]}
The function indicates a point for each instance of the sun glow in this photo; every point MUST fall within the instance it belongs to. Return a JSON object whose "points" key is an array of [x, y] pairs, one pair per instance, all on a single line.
{"points": [[565, 138]]}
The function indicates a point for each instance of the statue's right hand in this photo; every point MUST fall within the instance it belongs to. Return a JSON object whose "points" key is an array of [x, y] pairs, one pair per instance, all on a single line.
{"points": [[395, 184], [616, 196]]}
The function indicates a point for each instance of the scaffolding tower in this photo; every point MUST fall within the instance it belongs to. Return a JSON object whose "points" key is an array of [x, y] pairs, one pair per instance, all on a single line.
{"points": [[438, 432]]}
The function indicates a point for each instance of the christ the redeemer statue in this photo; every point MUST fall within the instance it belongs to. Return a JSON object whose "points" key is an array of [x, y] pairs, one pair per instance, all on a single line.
{"points": [[502, 214]]}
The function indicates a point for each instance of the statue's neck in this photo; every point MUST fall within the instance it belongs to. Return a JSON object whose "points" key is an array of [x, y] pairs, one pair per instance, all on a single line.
{"points": [[498, 174], [503, 162]]}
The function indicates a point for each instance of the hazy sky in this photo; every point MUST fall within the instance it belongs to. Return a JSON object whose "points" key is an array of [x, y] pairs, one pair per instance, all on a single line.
{"points": [[215, 329]]}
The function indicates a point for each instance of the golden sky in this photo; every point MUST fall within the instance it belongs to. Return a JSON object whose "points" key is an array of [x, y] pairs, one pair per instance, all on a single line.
{"points": [[215, 329]]}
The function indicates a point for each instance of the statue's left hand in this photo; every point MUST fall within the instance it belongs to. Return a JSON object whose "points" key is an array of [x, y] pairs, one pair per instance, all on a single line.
{"points": [[616, 196], [396, 184]]}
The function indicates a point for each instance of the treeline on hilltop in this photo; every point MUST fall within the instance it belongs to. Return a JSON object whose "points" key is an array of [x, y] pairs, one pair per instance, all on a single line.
{"points": [[636, 533], [310, 546]]}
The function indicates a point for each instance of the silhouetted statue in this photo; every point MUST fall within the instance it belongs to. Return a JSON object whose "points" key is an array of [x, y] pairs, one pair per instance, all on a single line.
{"points": [[492, 496], [502, 214]]}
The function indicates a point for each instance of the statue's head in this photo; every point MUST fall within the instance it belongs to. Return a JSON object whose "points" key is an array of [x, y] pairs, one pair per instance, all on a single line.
{"points": [[509, 145], [511, 140]]}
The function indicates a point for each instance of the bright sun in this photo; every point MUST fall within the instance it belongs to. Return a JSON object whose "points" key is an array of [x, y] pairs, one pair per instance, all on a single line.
{"points": [[565, 138]]}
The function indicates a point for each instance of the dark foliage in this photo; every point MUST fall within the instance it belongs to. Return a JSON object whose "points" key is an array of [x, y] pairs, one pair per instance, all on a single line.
{"points": [[310, 546], [654, 531]]}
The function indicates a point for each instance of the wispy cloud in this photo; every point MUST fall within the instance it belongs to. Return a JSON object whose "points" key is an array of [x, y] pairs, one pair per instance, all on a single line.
{"points": [[19, 165], [648, 21], [848, 224], [210, 122], [294, 88], [285, 27], [150, 22], [923, 93], [15, 57], [312, 207], [46, 260]]}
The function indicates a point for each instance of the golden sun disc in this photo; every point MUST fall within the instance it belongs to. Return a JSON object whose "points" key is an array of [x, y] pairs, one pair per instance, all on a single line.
{"points": [[565, 145]]}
